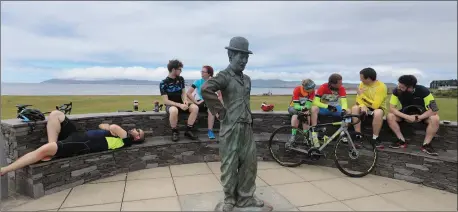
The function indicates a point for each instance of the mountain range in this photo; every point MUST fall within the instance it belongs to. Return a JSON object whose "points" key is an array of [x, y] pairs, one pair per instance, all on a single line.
{"points": [[258, 83]]}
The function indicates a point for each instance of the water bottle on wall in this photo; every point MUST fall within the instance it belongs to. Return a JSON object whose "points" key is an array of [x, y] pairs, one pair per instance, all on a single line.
{"points": [[135, 105]]}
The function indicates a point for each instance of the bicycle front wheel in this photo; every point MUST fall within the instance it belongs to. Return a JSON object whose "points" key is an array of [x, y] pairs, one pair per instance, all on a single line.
{"points": [[282, 152], [356, 161]]}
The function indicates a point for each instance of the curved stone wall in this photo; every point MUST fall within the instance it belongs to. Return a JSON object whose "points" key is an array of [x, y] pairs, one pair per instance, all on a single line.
{"points": [[56, 175]]}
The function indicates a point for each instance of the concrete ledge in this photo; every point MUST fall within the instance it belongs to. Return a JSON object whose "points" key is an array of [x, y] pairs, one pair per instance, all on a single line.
{"points": [[56, 175]]}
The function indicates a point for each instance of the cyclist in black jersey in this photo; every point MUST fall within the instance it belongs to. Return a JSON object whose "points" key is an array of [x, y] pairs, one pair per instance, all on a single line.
{"points": [[418, 105], [174, 95], [64, 141]]}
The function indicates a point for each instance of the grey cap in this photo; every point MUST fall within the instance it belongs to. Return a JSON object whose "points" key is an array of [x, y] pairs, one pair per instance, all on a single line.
{"points": [[239, 44]]}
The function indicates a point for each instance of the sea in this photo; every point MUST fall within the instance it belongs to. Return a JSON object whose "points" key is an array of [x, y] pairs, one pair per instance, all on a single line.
{"points": [[45, 89]]}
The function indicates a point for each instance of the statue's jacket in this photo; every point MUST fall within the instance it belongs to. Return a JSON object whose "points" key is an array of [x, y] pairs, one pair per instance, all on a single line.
{"points": [[235, 90]]}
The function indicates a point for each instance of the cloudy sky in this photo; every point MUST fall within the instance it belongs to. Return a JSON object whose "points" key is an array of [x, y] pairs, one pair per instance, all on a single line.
{"points": [[290, 40]]}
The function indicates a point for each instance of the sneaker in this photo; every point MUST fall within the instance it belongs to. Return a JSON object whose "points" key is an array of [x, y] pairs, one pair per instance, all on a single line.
{"points": [[211, 135], [378, 143], [175, 136], [190, 135], [428, 149], [398, 144]]}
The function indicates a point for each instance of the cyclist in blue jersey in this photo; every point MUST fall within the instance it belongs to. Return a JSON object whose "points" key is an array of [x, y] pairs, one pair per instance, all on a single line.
{"points": [[174, 95], [207, 73]]}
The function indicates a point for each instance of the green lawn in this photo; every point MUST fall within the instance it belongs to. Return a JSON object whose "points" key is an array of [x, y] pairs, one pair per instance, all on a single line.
{"points": [[97, 104]]}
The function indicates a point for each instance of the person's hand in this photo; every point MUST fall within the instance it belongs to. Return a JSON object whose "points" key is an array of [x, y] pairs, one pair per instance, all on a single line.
{"points": [[332, 108], [360, 91], [184, 106], [410, 118]]}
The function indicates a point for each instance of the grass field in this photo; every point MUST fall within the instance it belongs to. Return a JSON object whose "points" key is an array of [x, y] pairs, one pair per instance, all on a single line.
{"points": [[97, 104]]}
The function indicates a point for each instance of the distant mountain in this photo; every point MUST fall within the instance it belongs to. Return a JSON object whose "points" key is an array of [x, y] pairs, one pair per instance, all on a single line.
{"points": [[111, 82], [257, 83]]}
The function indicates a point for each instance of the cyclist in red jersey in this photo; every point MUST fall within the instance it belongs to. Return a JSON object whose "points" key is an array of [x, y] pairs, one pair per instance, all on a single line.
{"points": [[328, 96], [302, 100]]}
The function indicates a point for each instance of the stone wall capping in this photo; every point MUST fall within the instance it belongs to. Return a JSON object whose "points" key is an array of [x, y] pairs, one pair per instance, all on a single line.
{"points": [[158, 150]]}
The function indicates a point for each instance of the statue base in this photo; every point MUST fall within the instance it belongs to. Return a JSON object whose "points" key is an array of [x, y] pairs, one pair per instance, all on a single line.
{"points": [[266, 207]]}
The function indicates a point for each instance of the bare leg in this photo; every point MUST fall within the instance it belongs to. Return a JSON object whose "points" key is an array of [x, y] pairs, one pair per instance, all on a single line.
{"points": [[193, 111], [47, 150], [173, 117], [377, 121], [53, 126], [394, 125], [211, 120], [355, 110], [294, 121], [315, 111], [433, 126]]}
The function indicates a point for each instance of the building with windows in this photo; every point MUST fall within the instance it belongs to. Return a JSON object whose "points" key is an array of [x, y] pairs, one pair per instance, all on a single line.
{"points": [[444, 84]]}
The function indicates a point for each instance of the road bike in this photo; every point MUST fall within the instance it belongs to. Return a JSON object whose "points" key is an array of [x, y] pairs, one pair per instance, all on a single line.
{"points": [[302, 144]]}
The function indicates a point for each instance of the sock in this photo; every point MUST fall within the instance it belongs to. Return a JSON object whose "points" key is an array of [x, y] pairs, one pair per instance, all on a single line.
{"points": [[424, 143], [175, 129], [402, 139], [189, 127], [374, 137], [293, 131]]}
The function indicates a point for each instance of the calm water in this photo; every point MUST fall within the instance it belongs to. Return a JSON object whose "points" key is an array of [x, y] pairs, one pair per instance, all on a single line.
{"points": [[36, 89]]}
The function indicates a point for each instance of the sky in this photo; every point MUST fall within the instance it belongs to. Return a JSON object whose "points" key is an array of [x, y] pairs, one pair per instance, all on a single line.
{"points": [[290, 40]]}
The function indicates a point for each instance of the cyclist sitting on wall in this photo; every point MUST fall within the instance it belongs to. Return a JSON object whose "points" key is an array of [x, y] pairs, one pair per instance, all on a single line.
{"points": [[328, 95], [302, 100], [371, 100], [419, 98]]}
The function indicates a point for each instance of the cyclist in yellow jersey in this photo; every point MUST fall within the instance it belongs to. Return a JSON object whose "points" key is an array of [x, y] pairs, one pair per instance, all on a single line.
{"points": [[371, 100], [417, 105]]}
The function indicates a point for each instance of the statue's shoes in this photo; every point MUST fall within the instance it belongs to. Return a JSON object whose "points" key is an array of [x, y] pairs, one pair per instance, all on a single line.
{"points": [[252, 202], [228, 207]]}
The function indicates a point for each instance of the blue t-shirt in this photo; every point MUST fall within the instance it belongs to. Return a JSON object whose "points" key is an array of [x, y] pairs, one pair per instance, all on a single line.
{"points": [[198, 85]]}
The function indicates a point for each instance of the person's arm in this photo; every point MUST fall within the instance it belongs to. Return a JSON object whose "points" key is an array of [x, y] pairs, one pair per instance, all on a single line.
{"points": [[430, 103], [209, 88], [183, 92], [296, 101], [118, 131], [310, 99], [380, 95], [189, 93], [317, 99], [394, 101], [343, 98], [165, 97], [104, 126]]}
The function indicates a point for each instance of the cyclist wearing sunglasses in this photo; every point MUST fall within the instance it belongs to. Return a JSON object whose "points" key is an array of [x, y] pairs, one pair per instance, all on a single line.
{"points": [[302, 101], [64, 141]]}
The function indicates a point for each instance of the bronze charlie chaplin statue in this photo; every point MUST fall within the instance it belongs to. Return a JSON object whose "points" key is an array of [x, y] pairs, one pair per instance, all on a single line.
{"points": [[237, 146]]}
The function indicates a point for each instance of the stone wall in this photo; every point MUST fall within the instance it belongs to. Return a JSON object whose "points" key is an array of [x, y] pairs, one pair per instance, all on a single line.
{"points": [[56, 175]]}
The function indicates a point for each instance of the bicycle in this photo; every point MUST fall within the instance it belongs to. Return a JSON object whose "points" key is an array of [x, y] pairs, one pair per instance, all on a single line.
{"points": [[314, 151]]}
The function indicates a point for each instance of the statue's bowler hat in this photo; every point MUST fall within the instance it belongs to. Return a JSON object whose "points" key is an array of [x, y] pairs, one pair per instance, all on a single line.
{"points": [[239, 44]]}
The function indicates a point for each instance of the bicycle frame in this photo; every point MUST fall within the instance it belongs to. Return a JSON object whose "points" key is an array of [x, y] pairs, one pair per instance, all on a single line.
{"points": [[342, 129]]}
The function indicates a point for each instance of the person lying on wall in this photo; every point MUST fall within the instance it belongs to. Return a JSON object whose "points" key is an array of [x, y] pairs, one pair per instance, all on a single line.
{"points": [[65, 141]]}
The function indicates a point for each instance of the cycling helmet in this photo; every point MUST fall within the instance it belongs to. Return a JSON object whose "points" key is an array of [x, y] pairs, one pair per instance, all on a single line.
{"points": [[308, 84], [29, 114]]}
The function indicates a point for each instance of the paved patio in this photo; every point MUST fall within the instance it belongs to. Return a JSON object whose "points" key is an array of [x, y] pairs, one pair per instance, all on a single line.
{"points": [[196, 187]]}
